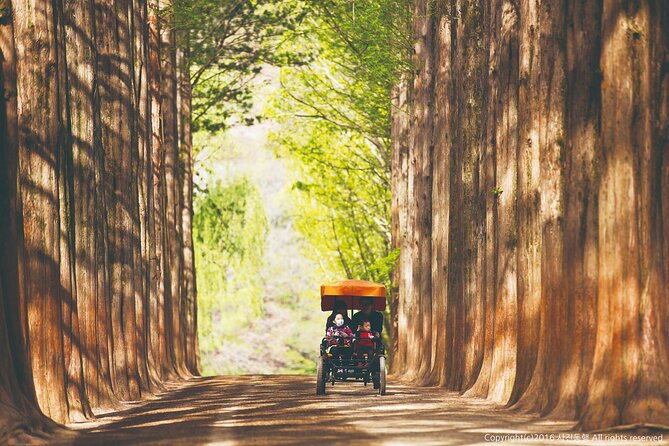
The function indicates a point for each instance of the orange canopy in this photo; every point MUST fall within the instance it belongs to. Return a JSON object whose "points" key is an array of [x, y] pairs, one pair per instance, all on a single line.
{"points": [[350, 292]]}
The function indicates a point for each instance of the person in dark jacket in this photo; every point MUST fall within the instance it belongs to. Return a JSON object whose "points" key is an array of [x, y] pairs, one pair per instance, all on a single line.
{"points": [[367, 312]]}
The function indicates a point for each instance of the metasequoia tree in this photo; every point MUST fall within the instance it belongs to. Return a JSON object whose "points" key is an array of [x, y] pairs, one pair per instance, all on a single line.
{"points": [[530, 184], [97, 303], [20, 413]]}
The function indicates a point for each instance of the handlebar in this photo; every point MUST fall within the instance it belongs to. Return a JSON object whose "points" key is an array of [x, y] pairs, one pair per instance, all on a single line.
{"points": [[350, 337], [375, 340], [379, 346]]}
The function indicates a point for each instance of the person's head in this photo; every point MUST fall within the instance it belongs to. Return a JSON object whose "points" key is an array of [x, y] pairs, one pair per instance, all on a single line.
{"points": [[366, 304], [365, 325], [338, 320], [339, 307]]}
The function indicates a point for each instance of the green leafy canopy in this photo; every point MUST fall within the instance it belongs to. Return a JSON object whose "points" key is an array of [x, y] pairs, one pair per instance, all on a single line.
{"points": [[229, 41], [335, 117]]}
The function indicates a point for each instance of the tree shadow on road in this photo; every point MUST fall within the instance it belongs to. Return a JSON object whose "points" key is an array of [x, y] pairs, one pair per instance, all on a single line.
{"points": [[284, 410]]}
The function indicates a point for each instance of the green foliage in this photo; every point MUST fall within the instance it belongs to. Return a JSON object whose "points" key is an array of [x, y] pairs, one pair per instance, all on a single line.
{"points": [[228, 43], [343, 207], [335, 129], [357, 52], [222, 220], [381, 269], [497, 191], [229, 229], [340, 60]]}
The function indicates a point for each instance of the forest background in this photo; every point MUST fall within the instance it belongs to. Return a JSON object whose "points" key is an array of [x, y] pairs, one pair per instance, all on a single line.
{"points": [[291, 119]]}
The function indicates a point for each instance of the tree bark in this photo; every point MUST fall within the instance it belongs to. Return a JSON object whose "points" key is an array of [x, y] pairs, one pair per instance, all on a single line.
{"points": [[20, 415], [399, 188], [77, 20], [37, 70], [160, 282], [141, 169], [548, 239], [440, 198], [629, 382], [188, 287], [170, 141], [86, 241]]}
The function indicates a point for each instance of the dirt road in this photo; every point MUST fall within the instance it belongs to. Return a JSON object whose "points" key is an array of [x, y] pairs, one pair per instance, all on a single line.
{"points": [[284, 410]]}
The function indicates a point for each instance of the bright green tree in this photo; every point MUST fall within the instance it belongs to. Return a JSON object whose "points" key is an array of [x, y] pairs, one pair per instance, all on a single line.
{"points": [[228, 42], [335, 114], [229, 231]]}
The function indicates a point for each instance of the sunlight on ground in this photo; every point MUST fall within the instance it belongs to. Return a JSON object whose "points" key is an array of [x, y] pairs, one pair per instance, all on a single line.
{"points": [[284, 410]]}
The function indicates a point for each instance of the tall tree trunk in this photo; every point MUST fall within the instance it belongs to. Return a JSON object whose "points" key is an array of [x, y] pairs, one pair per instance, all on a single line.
{"points": [[77, 400], [115, 93], [77, 21], [399, 186], [188, 287], [554, 264], [172, 192], [141, 107], [38, 142], [630, 379], [580, 228], [528, 196], [86, 313], [20, 415], [440, 199], [418, 359], [160, 284], [11, 222]]}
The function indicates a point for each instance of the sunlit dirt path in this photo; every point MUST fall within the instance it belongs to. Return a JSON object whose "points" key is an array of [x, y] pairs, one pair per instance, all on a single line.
{"points": [[284, 410]]}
